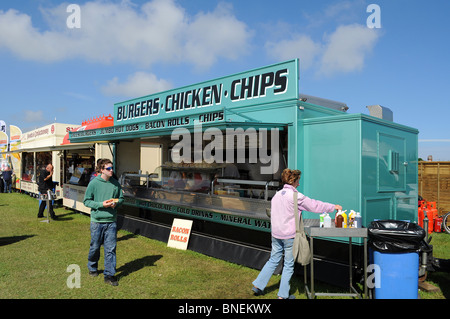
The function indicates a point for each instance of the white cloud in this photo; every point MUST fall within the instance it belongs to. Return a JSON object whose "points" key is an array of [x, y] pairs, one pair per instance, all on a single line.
{"points": [[300, 46], [33, 116], [347, 49], [18, 36], [341, 12], [138, 84], [343, 48], [158, 31], [343, 51], [216, 34], [78, 96]]}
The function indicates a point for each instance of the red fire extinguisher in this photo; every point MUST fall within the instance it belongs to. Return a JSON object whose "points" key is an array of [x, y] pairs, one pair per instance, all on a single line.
{"points": [[438, 224]]}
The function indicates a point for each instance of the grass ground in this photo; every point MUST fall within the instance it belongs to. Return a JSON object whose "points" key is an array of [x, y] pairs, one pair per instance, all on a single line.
{"points": [[35, 261]]}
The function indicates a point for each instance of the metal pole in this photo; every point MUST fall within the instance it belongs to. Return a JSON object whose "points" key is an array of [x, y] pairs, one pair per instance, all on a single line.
{"points": [[312, 270], [305, 280], [48, 206], [350, 261], [421, 179], [425, 224], [438, 185], [365, 267]]}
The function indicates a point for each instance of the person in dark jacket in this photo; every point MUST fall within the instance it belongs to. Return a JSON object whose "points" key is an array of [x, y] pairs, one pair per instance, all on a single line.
{"points": [[45, 183], [7, 178]]}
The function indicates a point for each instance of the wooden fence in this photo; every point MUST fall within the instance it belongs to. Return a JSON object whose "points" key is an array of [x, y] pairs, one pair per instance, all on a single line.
{"points": [[434, 184]]}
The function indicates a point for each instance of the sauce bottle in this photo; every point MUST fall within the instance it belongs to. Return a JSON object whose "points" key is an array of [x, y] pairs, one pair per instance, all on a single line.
{"points": [[351, 219], [358, 220], [344, 222], [327, 221], [339, 220]]}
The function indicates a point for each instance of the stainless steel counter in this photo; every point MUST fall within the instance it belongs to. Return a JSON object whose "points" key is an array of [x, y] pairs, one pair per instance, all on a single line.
{"points": [[314, 231], [233, 205]]}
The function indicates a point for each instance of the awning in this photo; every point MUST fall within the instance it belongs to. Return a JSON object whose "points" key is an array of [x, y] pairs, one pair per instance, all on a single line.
{"points": [[96, 123], [142, 130], [75, 146]]}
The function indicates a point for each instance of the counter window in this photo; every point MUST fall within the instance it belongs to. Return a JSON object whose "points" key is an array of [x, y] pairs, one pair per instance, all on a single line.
{"points": [[42, 160], [32, 163], [27, 166], [79, 167], [245, 177], [194, 178]]}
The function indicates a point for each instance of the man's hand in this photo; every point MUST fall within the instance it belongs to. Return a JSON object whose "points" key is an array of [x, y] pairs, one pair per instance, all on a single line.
{"points": [[108, 203]]}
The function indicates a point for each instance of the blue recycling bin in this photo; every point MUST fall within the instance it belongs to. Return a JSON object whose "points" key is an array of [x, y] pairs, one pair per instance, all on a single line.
{"points": [[398, 276], [394, 252]]}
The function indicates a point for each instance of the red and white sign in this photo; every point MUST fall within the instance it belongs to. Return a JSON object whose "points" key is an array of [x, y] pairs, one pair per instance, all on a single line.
{"points": [[180, 233]]}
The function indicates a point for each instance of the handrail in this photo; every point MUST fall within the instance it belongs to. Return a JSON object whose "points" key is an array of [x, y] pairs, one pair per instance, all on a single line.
{"points": [[266, 184]]}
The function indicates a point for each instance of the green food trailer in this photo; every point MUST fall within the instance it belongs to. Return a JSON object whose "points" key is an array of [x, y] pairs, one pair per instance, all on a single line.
{"points": [[224, 143]]}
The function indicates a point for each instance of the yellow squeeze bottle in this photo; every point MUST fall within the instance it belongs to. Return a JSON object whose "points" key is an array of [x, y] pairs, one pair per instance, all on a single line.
{"points": [[351, 219], [344, 222]]}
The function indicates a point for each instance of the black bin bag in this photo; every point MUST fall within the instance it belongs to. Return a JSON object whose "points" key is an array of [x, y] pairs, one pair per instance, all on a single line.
{"points": [[395, 236]]}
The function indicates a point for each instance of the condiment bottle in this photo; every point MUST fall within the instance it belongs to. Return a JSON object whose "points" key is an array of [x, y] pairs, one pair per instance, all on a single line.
{"points": [[344, 222], [351, 219], [358, 220], [327, 221], [339, 220]]}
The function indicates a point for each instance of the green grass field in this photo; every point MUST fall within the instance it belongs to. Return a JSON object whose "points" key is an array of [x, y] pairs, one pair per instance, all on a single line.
{"points": [[35, 256]]}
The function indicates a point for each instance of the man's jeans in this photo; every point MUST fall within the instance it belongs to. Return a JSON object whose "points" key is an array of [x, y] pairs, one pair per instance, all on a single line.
{"points": [[106, 234], [278, 247], [43, 205], [7, 186]]}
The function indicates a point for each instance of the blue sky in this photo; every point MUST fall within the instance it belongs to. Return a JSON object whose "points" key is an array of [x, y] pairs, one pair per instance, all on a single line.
{"points": [[126, 49]]}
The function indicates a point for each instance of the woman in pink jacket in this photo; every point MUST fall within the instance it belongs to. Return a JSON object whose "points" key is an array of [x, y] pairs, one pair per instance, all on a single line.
{"points": [[283, 231]]}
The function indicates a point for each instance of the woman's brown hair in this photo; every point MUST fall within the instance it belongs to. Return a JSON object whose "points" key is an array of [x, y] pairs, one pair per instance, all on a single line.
{"points": [[289, 176]]}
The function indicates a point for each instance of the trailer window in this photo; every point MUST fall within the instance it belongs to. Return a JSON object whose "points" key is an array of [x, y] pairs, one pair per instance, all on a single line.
{"points": [[79, 167], [27, 166], [42, 160]]}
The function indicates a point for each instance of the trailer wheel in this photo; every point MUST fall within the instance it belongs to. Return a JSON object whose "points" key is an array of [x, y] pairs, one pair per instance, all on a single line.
{"points": [[446, 223]]}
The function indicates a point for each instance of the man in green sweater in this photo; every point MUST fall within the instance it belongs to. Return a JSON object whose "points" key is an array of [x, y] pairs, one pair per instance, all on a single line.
{"points": [[103, 196]]}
